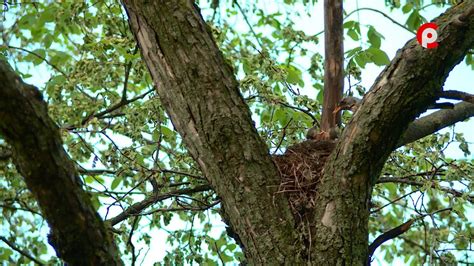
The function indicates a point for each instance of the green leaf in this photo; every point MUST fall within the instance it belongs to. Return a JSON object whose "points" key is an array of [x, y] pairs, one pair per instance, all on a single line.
{"points": [[36, 56], [294, 76], [320, 96], [407, 8], [374, 37], [362, 59], [378, 56], [414, 20], [353, 34], [116, 182]]}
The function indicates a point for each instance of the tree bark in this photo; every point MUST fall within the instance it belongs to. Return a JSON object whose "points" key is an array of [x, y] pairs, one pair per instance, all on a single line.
{"points": [[200, 94], [333, 64], [78, 234], [438, 120], [401, 92]]}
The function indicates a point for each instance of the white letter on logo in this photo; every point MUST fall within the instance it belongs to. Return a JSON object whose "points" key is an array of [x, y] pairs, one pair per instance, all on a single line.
{"points": [[425, 40]]}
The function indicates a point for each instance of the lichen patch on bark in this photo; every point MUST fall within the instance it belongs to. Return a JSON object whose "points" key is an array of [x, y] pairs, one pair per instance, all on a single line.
{"points": [[328, 214]]}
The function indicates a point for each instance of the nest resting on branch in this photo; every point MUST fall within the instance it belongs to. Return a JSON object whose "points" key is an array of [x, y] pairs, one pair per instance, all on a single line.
{"points": [[301, 169]]}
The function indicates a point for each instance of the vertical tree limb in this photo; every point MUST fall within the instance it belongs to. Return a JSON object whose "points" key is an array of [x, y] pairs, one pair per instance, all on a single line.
{"points": [[333, 63]]}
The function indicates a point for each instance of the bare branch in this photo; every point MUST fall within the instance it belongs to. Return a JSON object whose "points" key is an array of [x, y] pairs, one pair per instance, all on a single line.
{"points": [[110, 109], [381, 13], [457, 95], [451, 191], [429, 124], [138, 207]]}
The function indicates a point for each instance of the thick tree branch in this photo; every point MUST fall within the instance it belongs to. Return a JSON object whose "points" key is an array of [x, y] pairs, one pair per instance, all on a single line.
{"points": [[458, 95], [391, 234], [397, 231], [77, 232], [200, 94], [430, 124], [405, 89]]}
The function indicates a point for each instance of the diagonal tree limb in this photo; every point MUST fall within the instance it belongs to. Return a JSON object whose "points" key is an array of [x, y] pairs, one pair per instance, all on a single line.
{"points": [[397, 231], [404, 90], [431, 123], [77, 232], [21, 251], [457, 95]]}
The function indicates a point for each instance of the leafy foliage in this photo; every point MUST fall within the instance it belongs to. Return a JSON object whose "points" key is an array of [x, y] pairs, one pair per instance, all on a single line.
{"points": [[86, 62]]}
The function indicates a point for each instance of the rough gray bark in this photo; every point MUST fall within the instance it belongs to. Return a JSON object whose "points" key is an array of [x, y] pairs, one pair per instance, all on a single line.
{"points": [[438, 120], [200, 94], [401, 92], [77, 233]]}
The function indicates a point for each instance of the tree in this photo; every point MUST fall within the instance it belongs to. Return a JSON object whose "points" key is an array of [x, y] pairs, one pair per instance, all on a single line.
{"points": [[220, 158]]}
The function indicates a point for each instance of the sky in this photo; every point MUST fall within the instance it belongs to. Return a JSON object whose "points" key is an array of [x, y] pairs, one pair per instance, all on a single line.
{"points": [[461, 78]]}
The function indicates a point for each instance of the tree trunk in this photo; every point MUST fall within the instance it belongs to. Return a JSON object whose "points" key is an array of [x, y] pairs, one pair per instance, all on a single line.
{"points": [[200, 93], [78, 234], [401, 92], [201, 96]]}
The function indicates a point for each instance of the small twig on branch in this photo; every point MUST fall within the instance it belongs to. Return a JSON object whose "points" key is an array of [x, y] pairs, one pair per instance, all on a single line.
{"points": [[40, 57], [248, 23], [381, 13], [393, 201], [22, 252], [451, 191], [283, 136], [130, 243], [110, 109]]}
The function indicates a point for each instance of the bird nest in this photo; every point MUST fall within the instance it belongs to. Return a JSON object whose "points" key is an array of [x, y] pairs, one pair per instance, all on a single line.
{"points": [[301, 169]]}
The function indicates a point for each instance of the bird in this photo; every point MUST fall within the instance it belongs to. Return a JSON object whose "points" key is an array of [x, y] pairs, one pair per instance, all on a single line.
{"points": [[315, 134], [348, 103]]}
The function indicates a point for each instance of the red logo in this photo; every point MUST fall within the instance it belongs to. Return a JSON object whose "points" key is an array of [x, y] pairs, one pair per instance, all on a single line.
{"points": [[427, 35]]}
